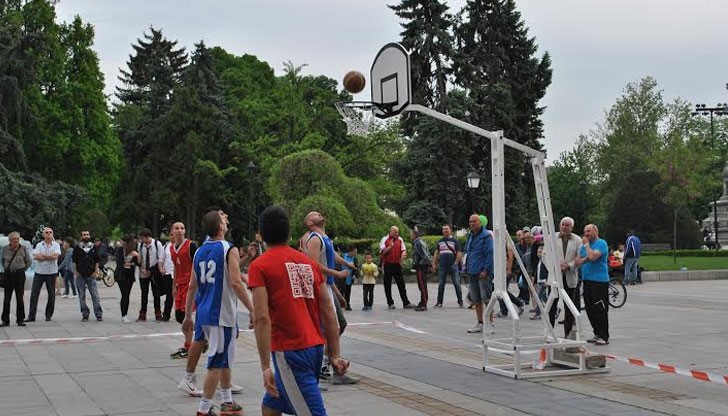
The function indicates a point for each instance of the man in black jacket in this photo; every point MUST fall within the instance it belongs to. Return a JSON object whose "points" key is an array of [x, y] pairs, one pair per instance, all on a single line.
{"points": [[85, 268]]}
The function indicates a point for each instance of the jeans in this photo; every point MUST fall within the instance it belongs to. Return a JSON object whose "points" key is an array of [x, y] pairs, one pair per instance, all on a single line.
{"points": [[68, 283], [82, 282], [50, 283], [630, 269], [15, 284], [442, 273]]}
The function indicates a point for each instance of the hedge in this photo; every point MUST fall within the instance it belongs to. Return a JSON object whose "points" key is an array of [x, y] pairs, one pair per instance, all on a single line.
{"points": [[688, 253]]}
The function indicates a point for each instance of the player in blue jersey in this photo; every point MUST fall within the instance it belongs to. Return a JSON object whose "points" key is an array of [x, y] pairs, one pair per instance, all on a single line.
{"points": [[215, 287]]}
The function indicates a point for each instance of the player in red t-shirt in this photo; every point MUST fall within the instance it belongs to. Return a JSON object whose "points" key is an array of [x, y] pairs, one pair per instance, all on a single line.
{"points": [[287, 291]]}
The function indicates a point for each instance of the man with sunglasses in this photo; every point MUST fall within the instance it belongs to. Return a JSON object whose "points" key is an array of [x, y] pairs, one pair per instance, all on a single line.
{"points": [[46, 255]]}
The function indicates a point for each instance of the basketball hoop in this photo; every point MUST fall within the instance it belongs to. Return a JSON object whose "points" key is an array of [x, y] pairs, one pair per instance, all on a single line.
{"points": [[357, 115]]}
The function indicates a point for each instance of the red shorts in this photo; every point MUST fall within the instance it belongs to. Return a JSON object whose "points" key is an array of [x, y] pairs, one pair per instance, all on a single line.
{"points": [[181, 297]]}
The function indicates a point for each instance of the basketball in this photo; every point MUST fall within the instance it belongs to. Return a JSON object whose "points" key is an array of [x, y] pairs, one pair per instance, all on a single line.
{"points": [[354, 82]]}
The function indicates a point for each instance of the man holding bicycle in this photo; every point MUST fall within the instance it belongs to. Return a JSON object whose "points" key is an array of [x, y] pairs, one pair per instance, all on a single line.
{"points": [[595, 274]]}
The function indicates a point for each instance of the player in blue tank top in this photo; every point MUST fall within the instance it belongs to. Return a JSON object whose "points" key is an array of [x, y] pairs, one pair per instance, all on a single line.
{"points": [[215, 287]]}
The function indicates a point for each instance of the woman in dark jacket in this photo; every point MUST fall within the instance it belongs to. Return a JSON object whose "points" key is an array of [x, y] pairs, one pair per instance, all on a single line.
{"points": [[127, 259]]}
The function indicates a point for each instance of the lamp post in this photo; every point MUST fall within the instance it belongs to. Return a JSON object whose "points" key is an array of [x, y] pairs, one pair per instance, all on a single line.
{"points": [[252, 169], [718, 110], [473, 183]]}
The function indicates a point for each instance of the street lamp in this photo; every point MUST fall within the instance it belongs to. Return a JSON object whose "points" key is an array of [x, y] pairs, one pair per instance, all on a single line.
{"points": [[473, 183], [718, 110], [252, 169]]}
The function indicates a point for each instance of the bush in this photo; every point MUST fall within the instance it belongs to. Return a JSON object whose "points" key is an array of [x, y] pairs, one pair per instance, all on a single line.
{"points": [[689, 253]]}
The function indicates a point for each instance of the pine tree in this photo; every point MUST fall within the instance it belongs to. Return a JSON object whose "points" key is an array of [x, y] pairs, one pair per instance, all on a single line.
{"points": [[496, 64], [428, 36], [153, 72]]}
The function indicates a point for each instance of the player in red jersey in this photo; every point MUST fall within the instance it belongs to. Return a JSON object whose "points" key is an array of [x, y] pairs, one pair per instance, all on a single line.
{"points": [[287, 291], [181, 251]]}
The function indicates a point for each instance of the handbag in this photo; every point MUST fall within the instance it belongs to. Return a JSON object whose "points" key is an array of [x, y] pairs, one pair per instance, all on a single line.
{"points": [[3, 277]]}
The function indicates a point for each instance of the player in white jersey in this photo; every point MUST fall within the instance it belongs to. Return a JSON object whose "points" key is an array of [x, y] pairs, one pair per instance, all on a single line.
{"points": [[215, 287]]}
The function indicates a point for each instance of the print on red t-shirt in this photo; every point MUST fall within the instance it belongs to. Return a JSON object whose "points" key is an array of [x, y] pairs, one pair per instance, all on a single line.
{"points": [[292, 281]]}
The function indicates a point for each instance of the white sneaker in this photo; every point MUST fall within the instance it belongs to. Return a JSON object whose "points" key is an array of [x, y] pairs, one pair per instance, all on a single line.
{"points": [[125, 319], [491, 328], [234, 388], [73, 296], [64, 296], [476, 329], [188, 386]]}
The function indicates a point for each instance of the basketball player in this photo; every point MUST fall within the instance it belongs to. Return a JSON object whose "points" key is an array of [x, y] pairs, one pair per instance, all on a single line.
{"points": [[182, 251], [289, 291], [214, 289], [189, 381], [318, 247]]}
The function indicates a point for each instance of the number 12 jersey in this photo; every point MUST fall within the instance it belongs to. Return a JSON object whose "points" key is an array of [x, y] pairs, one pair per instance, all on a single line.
{"points": [[215, 299]]}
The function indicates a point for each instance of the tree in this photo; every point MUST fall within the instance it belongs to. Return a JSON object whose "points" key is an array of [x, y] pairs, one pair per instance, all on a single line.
{"points": [[497, 65], [148, 83], [428, 36]]}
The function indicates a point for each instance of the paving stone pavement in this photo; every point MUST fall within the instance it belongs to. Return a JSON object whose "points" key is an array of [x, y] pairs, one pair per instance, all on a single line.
{"points": [[401, 372]]}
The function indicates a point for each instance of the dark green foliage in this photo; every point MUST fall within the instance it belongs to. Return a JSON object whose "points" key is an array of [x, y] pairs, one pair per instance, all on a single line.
{"points": [[497, 64], [30, 200], [427, 216]]}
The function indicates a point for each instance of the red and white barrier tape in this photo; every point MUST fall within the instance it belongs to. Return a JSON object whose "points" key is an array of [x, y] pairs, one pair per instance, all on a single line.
{"points": [[696, 374]]}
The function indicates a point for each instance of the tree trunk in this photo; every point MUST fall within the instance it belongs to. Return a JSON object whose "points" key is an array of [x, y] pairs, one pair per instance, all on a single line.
{"points": [[674, 235]]}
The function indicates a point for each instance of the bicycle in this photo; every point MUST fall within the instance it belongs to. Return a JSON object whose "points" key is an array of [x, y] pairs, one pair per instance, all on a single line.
{"points": [[616, 293], [106, 275]]}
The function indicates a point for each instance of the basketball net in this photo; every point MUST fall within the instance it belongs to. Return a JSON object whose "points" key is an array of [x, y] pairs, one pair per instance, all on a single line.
{"points": [[357, 115]]}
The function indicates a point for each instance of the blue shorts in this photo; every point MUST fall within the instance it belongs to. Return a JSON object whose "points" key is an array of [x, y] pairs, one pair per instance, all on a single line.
{"points": [[480, 289], [199, 333], [297, 374], [221, 353]]}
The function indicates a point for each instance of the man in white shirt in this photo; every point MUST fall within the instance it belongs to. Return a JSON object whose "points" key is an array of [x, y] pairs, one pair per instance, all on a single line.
{"points": [[46, 255], [150, 272]]}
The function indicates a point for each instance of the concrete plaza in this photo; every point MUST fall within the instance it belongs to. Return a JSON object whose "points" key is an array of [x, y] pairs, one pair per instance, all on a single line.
{"points": [[433, 371]]}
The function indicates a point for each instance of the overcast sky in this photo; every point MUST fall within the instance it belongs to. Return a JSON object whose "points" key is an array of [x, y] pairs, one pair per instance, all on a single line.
{"points": [[596, 46]]}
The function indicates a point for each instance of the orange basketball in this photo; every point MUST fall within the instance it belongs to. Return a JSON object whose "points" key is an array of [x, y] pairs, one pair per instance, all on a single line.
{"points": [[354, 82]]}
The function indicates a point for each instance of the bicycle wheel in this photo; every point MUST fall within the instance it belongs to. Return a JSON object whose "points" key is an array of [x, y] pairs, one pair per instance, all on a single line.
{"points": [[108, 277], [617, 293]]}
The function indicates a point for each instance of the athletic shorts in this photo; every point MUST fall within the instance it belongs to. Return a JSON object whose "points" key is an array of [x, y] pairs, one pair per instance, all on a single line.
{"points": [[221, 352], [296, 374], [480, 289], [181, 297], [199, 334]]}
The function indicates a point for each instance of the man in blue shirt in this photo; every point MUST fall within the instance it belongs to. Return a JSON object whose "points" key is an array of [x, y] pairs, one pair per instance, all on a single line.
{"points": [[592, 259], [632, 251], [479, 266]]}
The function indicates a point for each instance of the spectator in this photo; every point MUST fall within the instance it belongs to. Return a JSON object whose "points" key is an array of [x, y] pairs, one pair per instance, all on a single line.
{"points": [[421, 262], [527, 254], [66, 269], [542, 277], [632, 252], [369, 273], [567, 250], [85, 268], [46, 255], [350, 257], [127, 261], [448, 255], [16, 260], [393, 253], [595, 275], [151, 272], [479, 266]]}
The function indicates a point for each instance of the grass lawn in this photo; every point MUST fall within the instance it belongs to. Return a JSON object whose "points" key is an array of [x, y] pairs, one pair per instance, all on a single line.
{"points": [[658, 263]]}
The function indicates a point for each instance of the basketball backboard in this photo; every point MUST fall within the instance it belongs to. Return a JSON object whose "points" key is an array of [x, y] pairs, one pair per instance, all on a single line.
{"points": [[390, 81]]}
